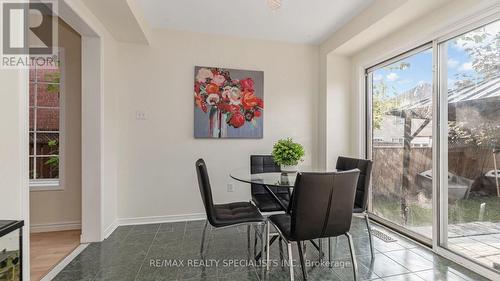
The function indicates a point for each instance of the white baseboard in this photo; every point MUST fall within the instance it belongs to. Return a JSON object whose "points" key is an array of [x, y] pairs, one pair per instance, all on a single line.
{"points": [[62, 264], [161, 219], [61, 226], [110, 229]]}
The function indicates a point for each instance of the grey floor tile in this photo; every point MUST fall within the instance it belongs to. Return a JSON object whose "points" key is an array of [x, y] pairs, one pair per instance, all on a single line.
{"points": [[145, 228], [117, 273], [189, 271], [383, 247], [404, 277], [153, 270], [383, 266], [439, 275], [365, 269], [129, 252], [74, 275], [238, 276], [410, 260]]}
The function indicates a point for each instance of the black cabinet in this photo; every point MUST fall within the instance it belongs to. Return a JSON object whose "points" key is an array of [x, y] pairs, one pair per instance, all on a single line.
{"points": [[11, 250]]}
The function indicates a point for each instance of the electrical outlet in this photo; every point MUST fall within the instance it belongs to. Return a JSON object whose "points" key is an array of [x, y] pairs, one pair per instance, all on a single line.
{"points": [[230, 187], [140, 115]]}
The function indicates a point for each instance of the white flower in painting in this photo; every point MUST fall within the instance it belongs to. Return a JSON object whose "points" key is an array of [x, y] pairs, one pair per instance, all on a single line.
{"points": [[392, 76], [213, 99], [219, 80], [233, 94], [203, 74], [226, 92]]}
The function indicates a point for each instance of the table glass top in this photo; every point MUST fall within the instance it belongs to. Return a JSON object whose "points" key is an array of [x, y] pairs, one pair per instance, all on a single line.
{"points": [[272, 179]]}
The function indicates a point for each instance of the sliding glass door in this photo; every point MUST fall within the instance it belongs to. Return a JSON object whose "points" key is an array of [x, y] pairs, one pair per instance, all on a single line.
{"points": [[433, 133], [470, 86], [401, 144]]}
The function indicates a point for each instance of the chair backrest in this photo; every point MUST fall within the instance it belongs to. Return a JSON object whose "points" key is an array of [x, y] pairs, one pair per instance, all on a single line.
{"points": [[205, 190], [322, 204], [262, 164], [365, 168]]}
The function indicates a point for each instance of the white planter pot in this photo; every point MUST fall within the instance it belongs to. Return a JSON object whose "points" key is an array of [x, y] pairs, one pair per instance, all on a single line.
{"points": [[289, 168]]}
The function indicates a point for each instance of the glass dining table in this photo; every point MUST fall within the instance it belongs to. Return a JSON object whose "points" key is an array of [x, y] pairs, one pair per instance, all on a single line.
{"points": [[276, 179]]}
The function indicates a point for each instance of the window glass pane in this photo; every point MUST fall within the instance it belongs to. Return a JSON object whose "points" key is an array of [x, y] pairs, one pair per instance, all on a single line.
{"points": [[47, 119], [47, 95], [47, 144], [47, 167], [402, 142], [48, 75], [31, 168], [473, 93], [31, 119], [32, 144], [32, 94], [32, 74]]}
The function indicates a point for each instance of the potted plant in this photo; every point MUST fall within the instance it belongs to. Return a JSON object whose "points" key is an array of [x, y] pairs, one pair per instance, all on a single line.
{"points": [[287, 154]]}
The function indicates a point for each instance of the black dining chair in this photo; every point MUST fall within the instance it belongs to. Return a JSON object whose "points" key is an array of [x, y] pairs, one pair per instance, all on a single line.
{"points": [[261, 197], [362, 189], [321, 208], [225, 215], [264, 201]]}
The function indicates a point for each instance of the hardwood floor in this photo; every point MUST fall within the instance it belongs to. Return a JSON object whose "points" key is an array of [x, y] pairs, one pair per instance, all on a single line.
{"points": [[49, 248]]}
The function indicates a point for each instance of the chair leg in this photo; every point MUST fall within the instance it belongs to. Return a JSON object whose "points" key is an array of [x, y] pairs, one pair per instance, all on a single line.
{"points": [[305, 250], [202, 248], [249, 228], [290, 260], [263, 242], [255, 244], [302, 263], [353, 256], [281, 248], [268, 227], [368, 227], [320, 243], [330, 252]]}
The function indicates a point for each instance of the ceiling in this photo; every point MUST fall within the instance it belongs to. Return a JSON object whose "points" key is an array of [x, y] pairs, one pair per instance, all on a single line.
{"points": [[297, 21]]}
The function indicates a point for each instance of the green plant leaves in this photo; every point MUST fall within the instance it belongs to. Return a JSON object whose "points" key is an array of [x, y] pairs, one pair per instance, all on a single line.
{"points": [[287, 152]]}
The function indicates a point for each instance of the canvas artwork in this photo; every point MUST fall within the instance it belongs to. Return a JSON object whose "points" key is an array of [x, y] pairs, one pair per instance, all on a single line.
{"points": [[229, 103]]}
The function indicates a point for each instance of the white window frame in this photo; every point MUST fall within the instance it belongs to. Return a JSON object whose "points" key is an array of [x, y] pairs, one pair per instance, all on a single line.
{"points": [[440, 211], [54, 184]]}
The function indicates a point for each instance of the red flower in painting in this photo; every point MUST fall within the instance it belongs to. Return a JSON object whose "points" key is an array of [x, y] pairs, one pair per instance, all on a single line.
{"points": [[231, 108], [215, 90], [212, 88], [237, 120], [249, 100], [246, 84], [200, 102]]}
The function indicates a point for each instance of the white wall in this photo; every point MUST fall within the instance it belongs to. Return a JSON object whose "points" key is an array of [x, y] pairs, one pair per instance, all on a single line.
{"points": [[338, 103], [11, 183], [156, 174]]}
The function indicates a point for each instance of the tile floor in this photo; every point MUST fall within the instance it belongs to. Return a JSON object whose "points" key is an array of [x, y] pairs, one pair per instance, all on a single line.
{"points": [[170, 251]]}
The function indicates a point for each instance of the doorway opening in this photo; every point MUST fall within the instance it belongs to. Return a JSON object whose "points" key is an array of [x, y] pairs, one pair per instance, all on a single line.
{"points": [[55, 154]]}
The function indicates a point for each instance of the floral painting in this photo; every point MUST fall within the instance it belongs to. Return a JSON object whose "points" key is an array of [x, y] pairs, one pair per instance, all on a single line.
{"points": [[229, 103]]}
